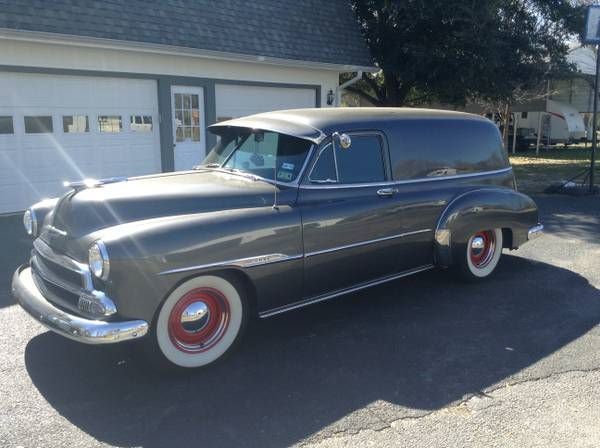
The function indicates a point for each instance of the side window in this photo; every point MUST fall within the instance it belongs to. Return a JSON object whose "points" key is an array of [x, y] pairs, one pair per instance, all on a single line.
{"points": [[324, 169], [362, 162]]}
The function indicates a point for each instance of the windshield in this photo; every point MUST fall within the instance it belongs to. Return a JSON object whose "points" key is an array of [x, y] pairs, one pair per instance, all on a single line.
{"points": [[270, 155]]}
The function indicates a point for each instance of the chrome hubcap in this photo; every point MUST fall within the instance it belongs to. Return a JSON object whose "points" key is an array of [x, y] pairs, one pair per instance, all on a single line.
{"points": [[478, 243], [195, 317]]}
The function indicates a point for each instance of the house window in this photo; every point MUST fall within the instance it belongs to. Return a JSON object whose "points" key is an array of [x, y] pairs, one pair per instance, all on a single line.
{"points": [[41, 124], [141, 123], [523, 114], [75, 124], [110, 123], [187, 117], [6, 125]]}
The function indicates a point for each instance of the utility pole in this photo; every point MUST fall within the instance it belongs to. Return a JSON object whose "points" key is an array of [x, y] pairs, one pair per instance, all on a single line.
{"points": [[594, 144]]}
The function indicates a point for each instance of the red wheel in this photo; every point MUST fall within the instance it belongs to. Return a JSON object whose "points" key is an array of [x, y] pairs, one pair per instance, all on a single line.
{"points": [[481, 248], [200, 321]]}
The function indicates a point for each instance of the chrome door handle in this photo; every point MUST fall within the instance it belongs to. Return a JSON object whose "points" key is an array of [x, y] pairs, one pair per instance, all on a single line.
{"points": [[386, 192]]}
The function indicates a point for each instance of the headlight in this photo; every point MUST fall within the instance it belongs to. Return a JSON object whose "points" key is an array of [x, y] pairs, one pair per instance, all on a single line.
{"points": [[98, 260], [30, 222]]}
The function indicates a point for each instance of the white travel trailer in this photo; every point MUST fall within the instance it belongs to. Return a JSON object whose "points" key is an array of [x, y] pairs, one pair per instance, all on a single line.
{"points": [[558, 123]]}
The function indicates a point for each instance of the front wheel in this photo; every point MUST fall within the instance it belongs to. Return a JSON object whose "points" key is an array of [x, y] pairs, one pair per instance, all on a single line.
{"points": [[199, 322], [479, 257]]}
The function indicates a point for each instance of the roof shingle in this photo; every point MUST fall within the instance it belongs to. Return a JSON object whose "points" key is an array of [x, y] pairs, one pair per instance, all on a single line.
{"points": [[307, 30]]}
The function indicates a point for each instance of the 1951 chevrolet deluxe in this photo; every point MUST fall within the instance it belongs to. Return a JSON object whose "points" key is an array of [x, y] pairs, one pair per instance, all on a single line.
{"points": [[288, 209]]}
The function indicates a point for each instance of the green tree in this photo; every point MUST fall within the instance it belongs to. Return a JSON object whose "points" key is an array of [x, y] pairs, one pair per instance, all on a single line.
{"points": [[451, 51]]}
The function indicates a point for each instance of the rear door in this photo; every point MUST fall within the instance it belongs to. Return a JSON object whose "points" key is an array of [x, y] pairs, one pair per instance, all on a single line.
{"points": [[351, 217]]}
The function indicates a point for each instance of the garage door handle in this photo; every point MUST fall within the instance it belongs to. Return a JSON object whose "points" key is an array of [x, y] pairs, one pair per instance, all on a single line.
{"points": [[387, 192]]}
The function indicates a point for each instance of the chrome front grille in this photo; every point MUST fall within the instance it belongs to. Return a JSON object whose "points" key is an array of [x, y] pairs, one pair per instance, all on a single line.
{"points": [[67, 283]]}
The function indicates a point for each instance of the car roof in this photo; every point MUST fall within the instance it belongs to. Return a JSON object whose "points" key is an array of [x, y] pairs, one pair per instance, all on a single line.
{"points": [[315, 124]]}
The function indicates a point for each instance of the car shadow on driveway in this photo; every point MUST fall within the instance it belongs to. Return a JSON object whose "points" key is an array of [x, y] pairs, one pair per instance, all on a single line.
{"points": [[15, 248], [421, 343]]}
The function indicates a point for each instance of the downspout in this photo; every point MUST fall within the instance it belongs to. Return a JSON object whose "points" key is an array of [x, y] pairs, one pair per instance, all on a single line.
{"points": [[338, 89]]}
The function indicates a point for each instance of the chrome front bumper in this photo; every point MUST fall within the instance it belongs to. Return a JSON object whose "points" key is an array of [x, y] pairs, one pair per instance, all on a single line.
{"points": [[535, 232], [73, 327]]}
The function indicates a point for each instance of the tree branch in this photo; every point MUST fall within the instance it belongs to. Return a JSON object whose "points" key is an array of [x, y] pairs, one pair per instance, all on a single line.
{"points": [[373, 100]]}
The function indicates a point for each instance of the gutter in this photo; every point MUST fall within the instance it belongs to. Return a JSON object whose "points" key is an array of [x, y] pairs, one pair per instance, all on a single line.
{"points": [[146, 47], [338, 89]]}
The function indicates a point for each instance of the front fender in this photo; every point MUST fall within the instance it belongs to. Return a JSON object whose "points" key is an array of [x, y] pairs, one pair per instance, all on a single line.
{"points": [[482, 209], [149, 258]]}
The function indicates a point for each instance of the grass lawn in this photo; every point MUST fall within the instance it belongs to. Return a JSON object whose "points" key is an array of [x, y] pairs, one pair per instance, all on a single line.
{"points": [[535, 173]]}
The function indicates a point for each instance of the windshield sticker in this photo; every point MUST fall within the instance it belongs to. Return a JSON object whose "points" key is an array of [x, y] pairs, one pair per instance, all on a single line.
{"points": [[284, 175], [287, 166]]}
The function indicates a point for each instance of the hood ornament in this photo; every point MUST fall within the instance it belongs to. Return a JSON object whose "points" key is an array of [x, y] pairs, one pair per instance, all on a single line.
{"points": [[92, 183]]}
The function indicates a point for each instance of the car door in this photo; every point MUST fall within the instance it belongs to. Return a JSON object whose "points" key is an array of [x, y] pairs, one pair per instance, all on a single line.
{"points": [[353, 223]]}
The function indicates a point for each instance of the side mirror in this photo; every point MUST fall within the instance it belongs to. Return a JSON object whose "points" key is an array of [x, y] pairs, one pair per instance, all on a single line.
{"points": [[344, 140]]}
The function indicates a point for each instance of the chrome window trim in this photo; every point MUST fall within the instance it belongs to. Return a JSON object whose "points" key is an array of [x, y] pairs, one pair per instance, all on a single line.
{"points": [[409, 181], [365, 243], [340, 292]]}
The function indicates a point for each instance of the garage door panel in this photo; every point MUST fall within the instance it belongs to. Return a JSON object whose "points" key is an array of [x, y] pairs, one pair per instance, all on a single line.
{"points": [[238, 100], [33, 166]]}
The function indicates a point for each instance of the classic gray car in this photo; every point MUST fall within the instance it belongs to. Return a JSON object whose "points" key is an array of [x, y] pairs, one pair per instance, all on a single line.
{"points": [[288, 209]]}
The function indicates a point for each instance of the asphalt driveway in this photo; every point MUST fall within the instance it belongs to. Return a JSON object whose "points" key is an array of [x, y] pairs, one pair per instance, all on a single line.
{"points": [[423, 361]]}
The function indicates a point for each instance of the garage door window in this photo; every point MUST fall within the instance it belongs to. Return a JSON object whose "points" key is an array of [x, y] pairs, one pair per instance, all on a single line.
{"points": [[141, 123], [6, 125], [75, 124], [41, 124], [110, 123]]}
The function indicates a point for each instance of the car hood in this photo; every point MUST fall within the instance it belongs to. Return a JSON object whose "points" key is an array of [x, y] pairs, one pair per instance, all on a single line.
{"points": [[82, 212]]}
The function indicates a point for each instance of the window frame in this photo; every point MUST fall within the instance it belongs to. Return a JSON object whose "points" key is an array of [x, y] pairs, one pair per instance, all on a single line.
{"points": [[385, 158]]}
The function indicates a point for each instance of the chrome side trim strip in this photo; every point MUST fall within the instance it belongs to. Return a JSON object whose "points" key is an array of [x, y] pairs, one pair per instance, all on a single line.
{"points": [[364, 243], [240, 263], [327, 296], [411, 181]]}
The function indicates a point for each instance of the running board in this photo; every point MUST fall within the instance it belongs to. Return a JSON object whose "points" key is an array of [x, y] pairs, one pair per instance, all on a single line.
{"points": [[341, 292]]}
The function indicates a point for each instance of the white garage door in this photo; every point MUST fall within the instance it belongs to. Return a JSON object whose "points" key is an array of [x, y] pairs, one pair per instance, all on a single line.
{"points": [[56, 128], [236, 101]]}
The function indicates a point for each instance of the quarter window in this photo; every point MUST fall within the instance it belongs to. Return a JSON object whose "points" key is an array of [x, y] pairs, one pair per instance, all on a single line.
{"points": [[41, 124], [75, 124], [6, 125], [362, 162], [141, 123], [324, 168], [110, 123]]}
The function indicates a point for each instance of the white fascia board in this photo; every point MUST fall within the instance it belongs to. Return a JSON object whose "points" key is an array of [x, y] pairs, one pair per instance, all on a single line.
{"points": [[113, 44]]}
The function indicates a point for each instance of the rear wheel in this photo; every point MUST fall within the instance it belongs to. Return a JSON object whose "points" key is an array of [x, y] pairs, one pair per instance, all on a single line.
{"points": [[199, 322], [480, 256]]}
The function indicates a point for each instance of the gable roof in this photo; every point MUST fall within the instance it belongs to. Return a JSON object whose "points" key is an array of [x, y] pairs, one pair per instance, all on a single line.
{"points": [[308, 30]]}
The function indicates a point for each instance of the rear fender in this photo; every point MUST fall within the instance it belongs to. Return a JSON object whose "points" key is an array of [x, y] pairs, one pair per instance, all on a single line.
{"points": [[483, 209]]}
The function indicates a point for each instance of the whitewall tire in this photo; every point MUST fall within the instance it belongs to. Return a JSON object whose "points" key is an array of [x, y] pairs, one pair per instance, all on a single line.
{"points": [[200, 321]]}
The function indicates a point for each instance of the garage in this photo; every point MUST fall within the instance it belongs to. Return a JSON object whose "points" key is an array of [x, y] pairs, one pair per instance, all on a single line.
{"points": [[238, 100], [55, 128]]}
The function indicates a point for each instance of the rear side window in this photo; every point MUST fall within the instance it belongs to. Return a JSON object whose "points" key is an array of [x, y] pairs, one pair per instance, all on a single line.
{"points": [[442, 147]]}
